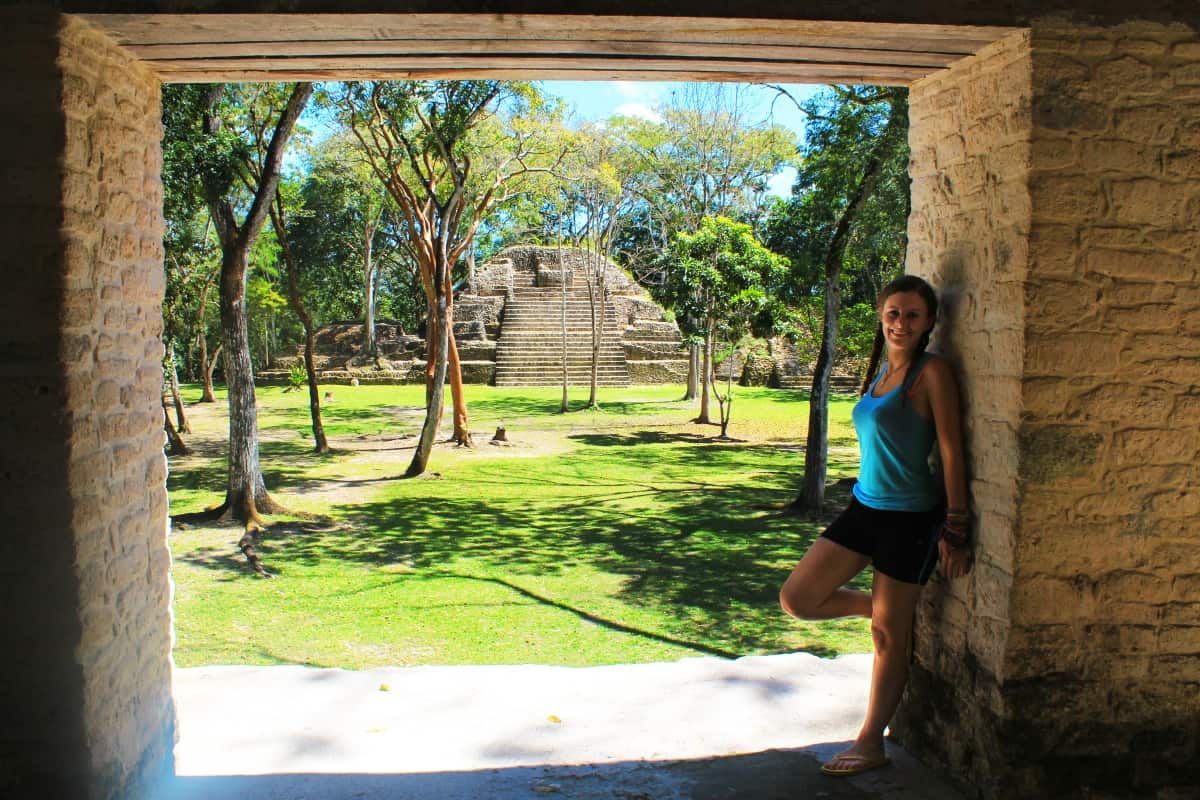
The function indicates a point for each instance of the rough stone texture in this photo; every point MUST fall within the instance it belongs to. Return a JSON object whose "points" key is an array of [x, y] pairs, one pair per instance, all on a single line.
{"points": [[87, 691], [1062, 229]]}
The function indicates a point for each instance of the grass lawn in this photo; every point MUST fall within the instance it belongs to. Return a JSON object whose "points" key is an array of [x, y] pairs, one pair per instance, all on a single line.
{"points": [[616, 536]]}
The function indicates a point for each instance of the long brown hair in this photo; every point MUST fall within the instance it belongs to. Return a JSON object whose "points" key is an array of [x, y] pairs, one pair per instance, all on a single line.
{"points": [[905, 283]]}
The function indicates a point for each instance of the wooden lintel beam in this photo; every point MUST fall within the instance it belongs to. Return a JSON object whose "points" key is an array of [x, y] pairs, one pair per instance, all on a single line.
{"points": [[186, 28], [470, 48], [830, 75]]}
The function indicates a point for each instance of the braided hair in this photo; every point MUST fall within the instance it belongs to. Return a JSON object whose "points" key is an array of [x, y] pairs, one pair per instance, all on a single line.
{"points": [[905, 283]]}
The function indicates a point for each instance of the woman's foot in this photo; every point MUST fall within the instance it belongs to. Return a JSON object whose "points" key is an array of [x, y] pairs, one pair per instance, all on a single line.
{"points": [[858, 759]]}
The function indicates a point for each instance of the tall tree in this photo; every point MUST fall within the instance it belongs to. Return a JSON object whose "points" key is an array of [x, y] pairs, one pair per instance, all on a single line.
{"points": [[352, 201], [855, 145], [720, 276], [448, 152], [296, 302], [707, 157], [595, 201], [234, 176]]}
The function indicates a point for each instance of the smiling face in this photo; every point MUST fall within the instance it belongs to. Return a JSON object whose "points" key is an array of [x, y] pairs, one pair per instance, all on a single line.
{"points": [[905, 317]]}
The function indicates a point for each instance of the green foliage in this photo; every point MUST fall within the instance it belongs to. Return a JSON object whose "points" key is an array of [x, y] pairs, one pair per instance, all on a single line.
{"points": [[706, 157], [718, 278], [666, 539], [297, 376], [842, 132]]}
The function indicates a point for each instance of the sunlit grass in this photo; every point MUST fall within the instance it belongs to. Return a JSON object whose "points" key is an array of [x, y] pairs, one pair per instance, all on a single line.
{"points": [[627, 534]]}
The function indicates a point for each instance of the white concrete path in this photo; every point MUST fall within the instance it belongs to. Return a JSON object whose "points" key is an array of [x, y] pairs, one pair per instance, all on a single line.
{"points": [[498, 731]]}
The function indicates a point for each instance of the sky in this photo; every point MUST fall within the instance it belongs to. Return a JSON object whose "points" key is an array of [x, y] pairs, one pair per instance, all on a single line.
{"points": [[594, 100]]}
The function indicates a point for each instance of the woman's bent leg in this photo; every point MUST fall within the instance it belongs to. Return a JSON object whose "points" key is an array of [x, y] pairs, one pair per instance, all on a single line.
{"points": [[893, 603], [815, 590]]}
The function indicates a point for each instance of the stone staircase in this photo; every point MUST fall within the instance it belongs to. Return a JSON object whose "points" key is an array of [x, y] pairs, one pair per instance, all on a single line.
{"points": [[529, 351], [838, 384]]}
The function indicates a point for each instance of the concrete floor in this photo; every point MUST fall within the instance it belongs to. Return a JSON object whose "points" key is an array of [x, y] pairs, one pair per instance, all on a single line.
{"points": [[697, 729]]}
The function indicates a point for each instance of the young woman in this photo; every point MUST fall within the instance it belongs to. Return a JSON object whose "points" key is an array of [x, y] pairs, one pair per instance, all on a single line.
{"points": [[904, 517]]}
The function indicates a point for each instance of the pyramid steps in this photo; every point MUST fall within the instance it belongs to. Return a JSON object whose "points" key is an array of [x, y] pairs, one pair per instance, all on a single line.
{"points": [[529, 351]]}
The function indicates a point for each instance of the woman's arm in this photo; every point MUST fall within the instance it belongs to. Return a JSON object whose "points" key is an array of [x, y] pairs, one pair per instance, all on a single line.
{"points": [[945, 405]]}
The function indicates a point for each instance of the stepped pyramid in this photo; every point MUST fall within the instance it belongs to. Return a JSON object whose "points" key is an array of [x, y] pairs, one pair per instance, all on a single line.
{"points": [[519, 297], [508, 329]]}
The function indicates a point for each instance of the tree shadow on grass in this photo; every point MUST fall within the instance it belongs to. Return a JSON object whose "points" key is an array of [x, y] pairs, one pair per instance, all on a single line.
{"points": [[704, 553], [692, 555]]}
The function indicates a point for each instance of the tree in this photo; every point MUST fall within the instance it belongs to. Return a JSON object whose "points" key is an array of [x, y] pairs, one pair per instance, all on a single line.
{"points": [[706, 158], [229, 170], [448, 152], [296, 302], [855, 146], [352, 202], [595, 199], [191, 253], [720, 277]]}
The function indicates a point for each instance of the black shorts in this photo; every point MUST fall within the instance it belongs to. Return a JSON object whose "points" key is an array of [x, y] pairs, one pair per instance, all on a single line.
{"points": [[901, 544]]}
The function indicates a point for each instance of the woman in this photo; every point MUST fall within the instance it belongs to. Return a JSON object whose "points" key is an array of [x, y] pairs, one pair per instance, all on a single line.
{"points": [[904, 516]]}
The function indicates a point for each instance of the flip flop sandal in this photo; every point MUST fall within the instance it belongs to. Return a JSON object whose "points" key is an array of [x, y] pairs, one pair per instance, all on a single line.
{"points": [[858, 765]]}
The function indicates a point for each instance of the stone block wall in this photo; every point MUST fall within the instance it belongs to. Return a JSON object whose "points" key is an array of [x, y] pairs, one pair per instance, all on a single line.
{"points": [[90, 713], [1105, 654], [1055, 199], [968, 234]]}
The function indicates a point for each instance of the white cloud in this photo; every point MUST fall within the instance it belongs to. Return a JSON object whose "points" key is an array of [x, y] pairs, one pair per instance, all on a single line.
{"points": [[638, 110], [633, 90], [780, 184]]}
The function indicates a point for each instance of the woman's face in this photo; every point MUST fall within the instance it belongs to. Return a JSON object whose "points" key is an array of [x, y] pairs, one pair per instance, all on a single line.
{"points": [[905, 318]]}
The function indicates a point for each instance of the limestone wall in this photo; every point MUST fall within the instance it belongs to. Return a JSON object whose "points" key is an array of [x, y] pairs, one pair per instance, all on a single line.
{"points": [[84, 519], [967, 234], [1105, 657], [1068, 664]]}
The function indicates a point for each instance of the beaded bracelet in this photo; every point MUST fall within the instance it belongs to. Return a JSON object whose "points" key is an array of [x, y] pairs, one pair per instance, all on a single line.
{"points": [[955, 530]]}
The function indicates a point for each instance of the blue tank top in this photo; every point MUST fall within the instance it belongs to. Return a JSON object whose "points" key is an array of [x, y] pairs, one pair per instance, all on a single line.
{"points": [[894, 445]]}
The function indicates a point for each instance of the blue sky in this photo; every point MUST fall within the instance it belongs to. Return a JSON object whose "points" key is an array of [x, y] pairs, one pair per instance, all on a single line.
{"points": [[594, 100]]}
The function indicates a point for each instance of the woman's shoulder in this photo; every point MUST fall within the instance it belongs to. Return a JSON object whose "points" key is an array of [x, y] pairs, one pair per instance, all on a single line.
{"points": [[939, 370]]}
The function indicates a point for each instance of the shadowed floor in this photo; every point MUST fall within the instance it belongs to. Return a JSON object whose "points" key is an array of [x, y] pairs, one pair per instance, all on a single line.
{"points": [[694, 729]]}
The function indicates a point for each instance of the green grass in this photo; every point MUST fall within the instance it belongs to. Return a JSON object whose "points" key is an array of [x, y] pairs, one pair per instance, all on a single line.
{"points": [[622, 535]]}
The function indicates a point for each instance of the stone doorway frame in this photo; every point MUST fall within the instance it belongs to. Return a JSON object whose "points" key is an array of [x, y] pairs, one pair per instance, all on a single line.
{"points": [[1053, 185]]}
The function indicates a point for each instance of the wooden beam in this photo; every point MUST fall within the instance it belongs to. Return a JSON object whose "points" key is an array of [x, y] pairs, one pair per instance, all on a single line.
{"points": [[845, 76], [192, 28], [496, 64], [473, 48], [214, 47]]}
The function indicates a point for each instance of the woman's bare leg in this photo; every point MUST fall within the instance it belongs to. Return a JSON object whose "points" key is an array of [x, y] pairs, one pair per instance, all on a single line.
{"points": [[893, 603], [815, 590]]}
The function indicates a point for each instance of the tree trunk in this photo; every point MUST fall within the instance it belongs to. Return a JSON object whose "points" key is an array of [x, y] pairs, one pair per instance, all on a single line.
{"points": [[811, 500], [184, 426], [206, 370], [462, 432], [320, 443], [436, 385], [693, 378], [706, 371], [246, 495], [178, 448], [565, 406], [369, 343]]}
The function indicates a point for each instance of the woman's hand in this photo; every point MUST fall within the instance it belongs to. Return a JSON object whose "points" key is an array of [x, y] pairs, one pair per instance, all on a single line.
{"points": [[954, 562]]}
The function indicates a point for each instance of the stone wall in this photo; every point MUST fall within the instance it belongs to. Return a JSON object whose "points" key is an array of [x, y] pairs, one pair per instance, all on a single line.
{"points": [[1068, 664], [967, 234], [87, 693]]}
